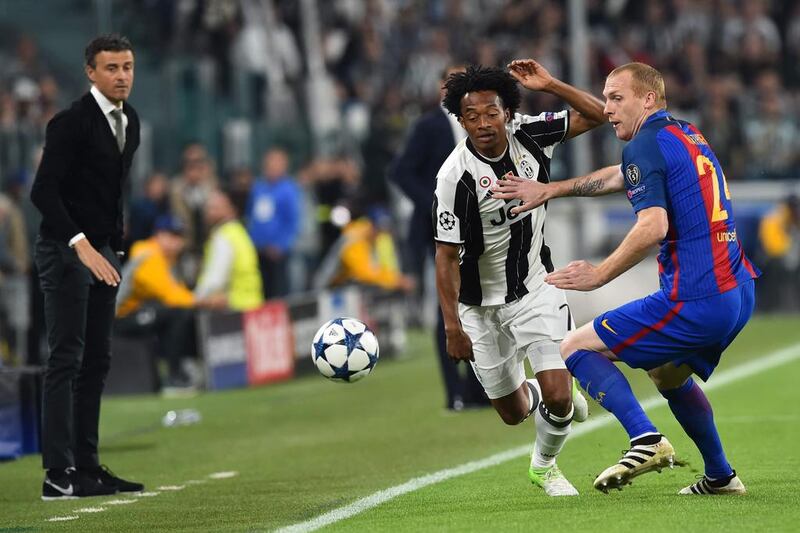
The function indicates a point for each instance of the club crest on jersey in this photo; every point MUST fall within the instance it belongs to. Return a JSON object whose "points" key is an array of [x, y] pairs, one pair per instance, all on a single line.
{"points": [[632, 174], [447, 220], [485, 182], [527, 169]]}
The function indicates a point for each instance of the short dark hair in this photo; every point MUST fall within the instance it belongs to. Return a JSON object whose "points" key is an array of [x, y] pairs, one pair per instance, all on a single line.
{"points": [[237, 200], [109, 42], [479, 78]]}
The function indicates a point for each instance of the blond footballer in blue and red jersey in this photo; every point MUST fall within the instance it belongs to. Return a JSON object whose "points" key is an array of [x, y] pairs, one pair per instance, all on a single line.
{"points": [[677, 189]]}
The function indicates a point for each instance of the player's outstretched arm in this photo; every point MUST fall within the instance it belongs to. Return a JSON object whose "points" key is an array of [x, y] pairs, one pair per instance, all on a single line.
{"points": [[650, 228], [587, 110], [533, 193], [448, 283]]}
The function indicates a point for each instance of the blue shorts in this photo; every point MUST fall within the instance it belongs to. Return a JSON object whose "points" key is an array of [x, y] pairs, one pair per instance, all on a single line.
{"points": [[655, 330]]}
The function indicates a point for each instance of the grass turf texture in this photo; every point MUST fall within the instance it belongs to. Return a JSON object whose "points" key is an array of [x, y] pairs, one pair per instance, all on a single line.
{"points": [[306, 447]]}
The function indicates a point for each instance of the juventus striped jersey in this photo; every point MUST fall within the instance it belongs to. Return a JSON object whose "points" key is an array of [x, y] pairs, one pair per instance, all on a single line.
{"points": [[503, 256]]}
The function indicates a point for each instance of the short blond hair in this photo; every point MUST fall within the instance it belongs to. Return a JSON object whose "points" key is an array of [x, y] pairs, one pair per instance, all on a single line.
{"points": [[645, 79]]}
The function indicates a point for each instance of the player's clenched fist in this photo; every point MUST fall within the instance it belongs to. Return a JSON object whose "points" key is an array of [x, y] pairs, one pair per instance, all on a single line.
{"points": [[459, 346]]}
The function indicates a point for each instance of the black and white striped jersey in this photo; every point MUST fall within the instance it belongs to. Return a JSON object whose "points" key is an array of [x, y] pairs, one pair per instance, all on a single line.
{"points": [[503, 256]]}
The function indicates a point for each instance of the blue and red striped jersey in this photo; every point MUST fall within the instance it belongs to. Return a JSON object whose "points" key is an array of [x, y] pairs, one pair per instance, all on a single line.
{"points": [[669, 164]]}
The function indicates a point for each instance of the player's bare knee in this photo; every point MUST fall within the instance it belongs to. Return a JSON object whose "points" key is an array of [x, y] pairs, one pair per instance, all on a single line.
{"points": [[559, 403], [568, 346]]}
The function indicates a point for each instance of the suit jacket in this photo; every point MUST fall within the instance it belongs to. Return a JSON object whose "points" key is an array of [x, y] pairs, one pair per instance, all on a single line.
{"points": [[414, 169], [78, 187]]}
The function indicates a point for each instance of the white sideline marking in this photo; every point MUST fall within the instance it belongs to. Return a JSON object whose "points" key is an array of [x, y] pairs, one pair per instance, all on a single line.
{"points": [[223, 475], [90, 510], [754, 366], [148, 494], [196, 482], [62, 518], [121, 502], [171, 487]]}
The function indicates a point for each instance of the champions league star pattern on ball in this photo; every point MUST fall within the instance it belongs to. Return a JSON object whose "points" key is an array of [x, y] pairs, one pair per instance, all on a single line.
{"points": [[344, 349]]}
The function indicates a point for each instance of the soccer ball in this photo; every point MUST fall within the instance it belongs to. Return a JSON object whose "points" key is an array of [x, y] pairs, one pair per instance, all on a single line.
{"points": [[344, 349]]}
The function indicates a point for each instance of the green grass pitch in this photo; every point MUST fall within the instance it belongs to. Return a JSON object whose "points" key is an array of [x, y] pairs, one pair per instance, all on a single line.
{"points": [[309, 446]]}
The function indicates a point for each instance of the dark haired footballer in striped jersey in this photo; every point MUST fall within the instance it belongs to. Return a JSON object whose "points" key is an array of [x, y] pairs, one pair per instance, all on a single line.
{"points": [[491, 263], [677, 188]]}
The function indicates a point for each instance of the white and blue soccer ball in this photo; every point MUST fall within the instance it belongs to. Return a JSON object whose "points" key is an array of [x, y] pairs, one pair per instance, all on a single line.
{"points": [[344, 350]]}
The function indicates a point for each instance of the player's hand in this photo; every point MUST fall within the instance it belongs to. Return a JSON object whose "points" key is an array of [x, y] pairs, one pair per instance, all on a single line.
{"points": [[96, 263], [459, 346], [531, 192], [576, 276], [530, 74]]}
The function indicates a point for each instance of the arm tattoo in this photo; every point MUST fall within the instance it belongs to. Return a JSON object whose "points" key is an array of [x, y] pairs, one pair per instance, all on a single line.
{"points": [[587, 187]]}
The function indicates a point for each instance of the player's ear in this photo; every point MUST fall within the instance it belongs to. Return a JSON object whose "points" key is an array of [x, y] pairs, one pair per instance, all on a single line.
{"points": [[650, 100], [461, 121], [89, 72], [508, 114]]}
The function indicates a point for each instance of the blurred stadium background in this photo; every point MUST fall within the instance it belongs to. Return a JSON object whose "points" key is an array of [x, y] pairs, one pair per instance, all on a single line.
{"points": [[335, 86]]}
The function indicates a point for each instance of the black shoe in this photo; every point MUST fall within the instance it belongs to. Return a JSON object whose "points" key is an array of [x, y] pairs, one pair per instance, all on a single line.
{"points": [[105, 477], [89, 485], [60, 485]]}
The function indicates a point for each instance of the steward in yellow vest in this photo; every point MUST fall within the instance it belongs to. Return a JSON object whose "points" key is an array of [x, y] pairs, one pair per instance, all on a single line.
{"points": [[230, 275]]}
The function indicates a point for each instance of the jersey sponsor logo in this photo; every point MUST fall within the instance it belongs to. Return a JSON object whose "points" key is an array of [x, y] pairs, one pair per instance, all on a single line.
{"points": [[632, 174], [634, 192], [726, 236], [447, 220], [604, 323], [484, 182]]}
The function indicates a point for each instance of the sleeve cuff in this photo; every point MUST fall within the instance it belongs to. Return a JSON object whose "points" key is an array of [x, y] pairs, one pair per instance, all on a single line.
{"points": [[75, 239]]}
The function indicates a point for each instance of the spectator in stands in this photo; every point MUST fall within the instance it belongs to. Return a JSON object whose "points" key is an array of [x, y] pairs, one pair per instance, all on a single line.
{"points": [[190, 190], [230, 277], [779, 233], [14, 247], [152, 303], [773, 141], [273, 217], [146, 209], [365, 253], [334, 181], [240, 183], [15, 263], [718, 118]]}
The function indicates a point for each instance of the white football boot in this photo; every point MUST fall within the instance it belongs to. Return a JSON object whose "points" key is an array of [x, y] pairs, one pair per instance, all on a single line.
{"points": [[552, 481], [579, 404], [705, 486], [639, 460]]}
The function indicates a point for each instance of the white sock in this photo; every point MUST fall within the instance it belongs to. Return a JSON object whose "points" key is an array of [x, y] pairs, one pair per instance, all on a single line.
{"points": [[550, 437]]}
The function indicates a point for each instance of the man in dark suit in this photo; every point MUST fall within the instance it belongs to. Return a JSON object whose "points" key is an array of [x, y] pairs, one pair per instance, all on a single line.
{"points": [[78, 189], [414, 171]]}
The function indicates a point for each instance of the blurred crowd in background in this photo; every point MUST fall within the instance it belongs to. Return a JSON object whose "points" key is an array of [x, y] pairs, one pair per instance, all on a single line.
{"points": [[322, 215]]}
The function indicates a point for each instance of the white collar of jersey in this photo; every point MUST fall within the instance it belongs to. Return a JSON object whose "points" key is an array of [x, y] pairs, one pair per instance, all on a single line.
{"points": [[492, 159]]}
